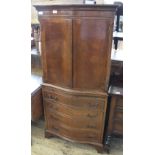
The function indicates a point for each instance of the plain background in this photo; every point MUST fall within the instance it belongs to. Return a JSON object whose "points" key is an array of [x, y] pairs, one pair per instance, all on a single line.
{"points": [[139, 77]]}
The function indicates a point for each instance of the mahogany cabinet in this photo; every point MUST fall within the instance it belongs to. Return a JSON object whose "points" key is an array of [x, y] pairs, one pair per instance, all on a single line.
{"points": [[76, 43]]}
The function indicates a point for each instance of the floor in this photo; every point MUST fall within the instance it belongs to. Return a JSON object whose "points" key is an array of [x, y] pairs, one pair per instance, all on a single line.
{"points": [[57, 146]]}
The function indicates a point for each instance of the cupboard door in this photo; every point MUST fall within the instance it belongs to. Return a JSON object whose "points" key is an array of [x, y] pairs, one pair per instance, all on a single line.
{"points": [[92, 49], [56, 41]]}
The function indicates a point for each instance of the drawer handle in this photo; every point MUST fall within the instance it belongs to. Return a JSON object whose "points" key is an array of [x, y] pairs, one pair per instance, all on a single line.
{"points": [[49, 96], [91, 126], [92, 116], [54, 128], [53, 98]]}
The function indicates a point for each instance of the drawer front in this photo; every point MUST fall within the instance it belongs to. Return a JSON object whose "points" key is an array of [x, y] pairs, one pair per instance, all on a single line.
{"points": [[75, 116], [51, 107], [75, 134], [75, 122], [76, 102]]}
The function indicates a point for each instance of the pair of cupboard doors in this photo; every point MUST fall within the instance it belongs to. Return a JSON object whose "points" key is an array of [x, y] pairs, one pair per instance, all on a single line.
{"points": [[76, 48]]}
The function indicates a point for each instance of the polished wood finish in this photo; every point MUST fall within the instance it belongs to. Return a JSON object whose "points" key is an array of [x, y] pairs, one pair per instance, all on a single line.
{"points": [[76, 48], [91, 51], [83, 31], [74, 114], [57, 51]]}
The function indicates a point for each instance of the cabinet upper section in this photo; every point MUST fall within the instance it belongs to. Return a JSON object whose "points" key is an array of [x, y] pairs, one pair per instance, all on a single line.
{"points": [[76, 45]]}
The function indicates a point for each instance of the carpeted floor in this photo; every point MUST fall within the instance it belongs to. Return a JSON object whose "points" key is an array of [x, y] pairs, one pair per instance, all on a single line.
{"points": [[57, 146]]}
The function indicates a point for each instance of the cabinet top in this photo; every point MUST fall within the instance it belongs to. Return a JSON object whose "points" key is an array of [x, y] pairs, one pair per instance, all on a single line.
{"points": [[80, 7]]}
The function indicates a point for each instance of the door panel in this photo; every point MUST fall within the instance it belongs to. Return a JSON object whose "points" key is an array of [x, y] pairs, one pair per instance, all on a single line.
{"points": [[56, 41], [91, 53]]}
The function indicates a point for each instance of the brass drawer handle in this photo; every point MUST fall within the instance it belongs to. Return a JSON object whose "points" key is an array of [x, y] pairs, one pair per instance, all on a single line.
{"points": [[55, 128], [49, 96], [53, 98]]}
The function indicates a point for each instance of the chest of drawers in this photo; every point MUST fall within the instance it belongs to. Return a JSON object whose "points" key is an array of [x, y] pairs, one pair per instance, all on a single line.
{"points": [[74, 115]]}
